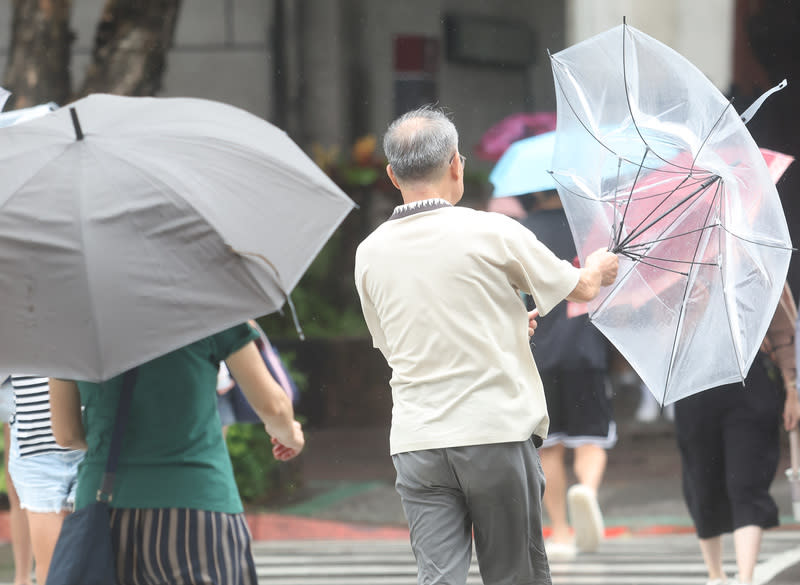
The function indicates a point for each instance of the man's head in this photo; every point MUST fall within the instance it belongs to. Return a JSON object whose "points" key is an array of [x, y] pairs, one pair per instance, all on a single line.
{"points": [[422, 149]]}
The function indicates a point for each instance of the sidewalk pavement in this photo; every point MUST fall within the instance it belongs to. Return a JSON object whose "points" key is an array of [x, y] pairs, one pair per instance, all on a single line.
{"points": [[349, 474], [349, 489], [349, 482]]}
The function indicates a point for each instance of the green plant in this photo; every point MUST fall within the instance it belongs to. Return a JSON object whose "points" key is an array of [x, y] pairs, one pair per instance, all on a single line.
{"points": [[325, 299], [253, 465], [259, 477]]}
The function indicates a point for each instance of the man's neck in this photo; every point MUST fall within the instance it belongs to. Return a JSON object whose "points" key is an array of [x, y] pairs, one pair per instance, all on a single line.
{"points": [[421, 195]]}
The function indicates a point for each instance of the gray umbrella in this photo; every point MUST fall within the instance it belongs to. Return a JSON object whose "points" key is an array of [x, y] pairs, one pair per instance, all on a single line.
{"points": [[132, 226]]}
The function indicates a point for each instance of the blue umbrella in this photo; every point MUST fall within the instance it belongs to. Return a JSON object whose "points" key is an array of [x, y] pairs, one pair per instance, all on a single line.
{"points": [[523, 168]]}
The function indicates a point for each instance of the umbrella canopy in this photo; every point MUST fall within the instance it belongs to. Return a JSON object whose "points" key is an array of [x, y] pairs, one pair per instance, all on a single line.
{"points": [[499, 137], [652, 162], [524, 167], [12, 117], [130, 227]]}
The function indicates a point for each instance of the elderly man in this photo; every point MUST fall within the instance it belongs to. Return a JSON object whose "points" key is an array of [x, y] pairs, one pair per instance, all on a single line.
{"points": [[440, 291]]}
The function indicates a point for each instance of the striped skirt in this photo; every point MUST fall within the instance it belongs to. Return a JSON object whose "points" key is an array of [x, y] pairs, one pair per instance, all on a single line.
{"points": [[171, 546]]}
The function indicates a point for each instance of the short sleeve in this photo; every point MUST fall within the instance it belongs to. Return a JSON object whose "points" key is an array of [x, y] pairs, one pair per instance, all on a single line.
{"points": [[231, 340], [538, 270]]}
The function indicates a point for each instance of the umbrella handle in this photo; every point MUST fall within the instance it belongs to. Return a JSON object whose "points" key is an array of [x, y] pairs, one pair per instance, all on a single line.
{"points": [[794, 451]]}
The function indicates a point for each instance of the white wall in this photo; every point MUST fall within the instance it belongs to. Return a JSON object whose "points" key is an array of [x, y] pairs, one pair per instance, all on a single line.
{"points": [[217, 54], [700, 30], [477, 96], [222, 51]]}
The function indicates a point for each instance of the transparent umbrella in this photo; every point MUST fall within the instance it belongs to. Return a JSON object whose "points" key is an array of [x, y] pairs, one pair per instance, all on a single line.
{"points": [[653, 162]]}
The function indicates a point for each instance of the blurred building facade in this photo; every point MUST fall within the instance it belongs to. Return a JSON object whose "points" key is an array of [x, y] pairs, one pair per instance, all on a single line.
{"points": [[328, 71]]}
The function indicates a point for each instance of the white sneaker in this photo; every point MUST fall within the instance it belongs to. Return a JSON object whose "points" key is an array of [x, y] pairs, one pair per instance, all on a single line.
{"points": [[585, 517], [719, 582], [560, 551]]}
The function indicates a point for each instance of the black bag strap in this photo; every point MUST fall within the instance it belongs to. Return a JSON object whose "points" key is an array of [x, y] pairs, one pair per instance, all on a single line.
{"points": [[121, 422]]}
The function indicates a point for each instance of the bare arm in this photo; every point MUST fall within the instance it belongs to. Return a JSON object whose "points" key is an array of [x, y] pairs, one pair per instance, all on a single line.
{"points": [[269, 401], [600, 270], [65, 414]]}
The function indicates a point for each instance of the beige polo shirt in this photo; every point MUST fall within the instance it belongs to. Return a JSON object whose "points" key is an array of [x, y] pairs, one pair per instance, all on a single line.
{"points": [[440, 290]]}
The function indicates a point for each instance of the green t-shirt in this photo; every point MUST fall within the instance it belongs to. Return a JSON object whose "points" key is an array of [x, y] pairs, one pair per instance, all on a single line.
{"points": [[173, 453]]}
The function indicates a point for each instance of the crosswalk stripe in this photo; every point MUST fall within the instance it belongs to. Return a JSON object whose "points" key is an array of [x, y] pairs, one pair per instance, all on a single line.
{"points": [[656, 560]]}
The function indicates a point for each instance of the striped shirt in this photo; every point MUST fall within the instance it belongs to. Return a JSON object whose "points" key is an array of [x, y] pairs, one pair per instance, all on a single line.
{"points": [[32, 416]]}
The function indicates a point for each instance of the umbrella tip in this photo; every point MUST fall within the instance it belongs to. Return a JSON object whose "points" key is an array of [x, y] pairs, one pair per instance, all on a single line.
{"points": [[76, 124], [624, 21]]}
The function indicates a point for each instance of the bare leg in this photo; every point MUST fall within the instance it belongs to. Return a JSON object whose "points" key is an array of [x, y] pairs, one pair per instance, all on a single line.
{"points": [[590, 465], [747, 542], [555, 493], [712, 555], [45, 528], [584, 511], [20, 535]]}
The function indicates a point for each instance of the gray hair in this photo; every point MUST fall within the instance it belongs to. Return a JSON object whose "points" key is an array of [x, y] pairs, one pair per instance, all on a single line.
{"points": [[419, 144]]}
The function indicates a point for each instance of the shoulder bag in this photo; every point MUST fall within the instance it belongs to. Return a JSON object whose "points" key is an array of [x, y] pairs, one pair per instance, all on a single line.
{"points": [[84, 553]]}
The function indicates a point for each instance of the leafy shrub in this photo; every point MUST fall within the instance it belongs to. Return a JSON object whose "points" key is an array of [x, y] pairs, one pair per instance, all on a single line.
{"points": [[253, 465]]}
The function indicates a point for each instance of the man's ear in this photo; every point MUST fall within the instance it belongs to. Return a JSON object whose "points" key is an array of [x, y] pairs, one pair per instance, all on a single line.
{"points": [[392, 178], [453, 168]]}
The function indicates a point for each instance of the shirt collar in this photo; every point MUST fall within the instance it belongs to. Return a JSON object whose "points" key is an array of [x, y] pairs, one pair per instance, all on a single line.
{"points": [[418, 207]]}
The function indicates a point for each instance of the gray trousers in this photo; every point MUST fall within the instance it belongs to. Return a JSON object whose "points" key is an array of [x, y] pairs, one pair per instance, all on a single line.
{"points": [[494, 491]]}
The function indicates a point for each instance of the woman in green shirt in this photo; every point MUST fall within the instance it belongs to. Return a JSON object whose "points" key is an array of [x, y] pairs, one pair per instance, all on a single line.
{"points": [[176, 515]]}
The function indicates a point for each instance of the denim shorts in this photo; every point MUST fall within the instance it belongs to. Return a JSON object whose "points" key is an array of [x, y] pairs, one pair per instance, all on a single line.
{"points": [[44, 483]]}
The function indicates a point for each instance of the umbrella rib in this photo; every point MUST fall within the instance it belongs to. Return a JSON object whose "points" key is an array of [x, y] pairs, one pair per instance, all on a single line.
{"points": [[690, 196], [732, 333], [630, 107], [640, 256], [639, 259], [614, 234], [682, 314], [630, 195], [554, 175], [636, 125], [679, 169], [633, 233], [631, 247], [688, 181], [711, 131], [757, 243]]}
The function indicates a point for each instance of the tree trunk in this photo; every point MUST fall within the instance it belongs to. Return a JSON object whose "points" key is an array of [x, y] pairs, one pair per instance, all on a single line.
{"points": [[39, 56], [131, 44]]}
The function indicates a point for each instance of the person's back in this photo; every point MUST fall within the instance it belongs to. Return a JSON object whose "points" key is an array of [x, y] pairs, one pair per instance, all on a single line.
{"points": [[44, 474], [176, 516], [440, 292], [454, 326], [174, 454]]}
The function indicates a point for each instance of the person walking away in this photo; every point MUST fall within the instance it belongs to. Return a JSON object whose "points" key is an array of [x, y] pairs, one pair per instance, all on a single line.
{"points": [[18, 520], [18, 523], [174, 487], [440, 287], [572, 358], [43, 473], [729, 441]]}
